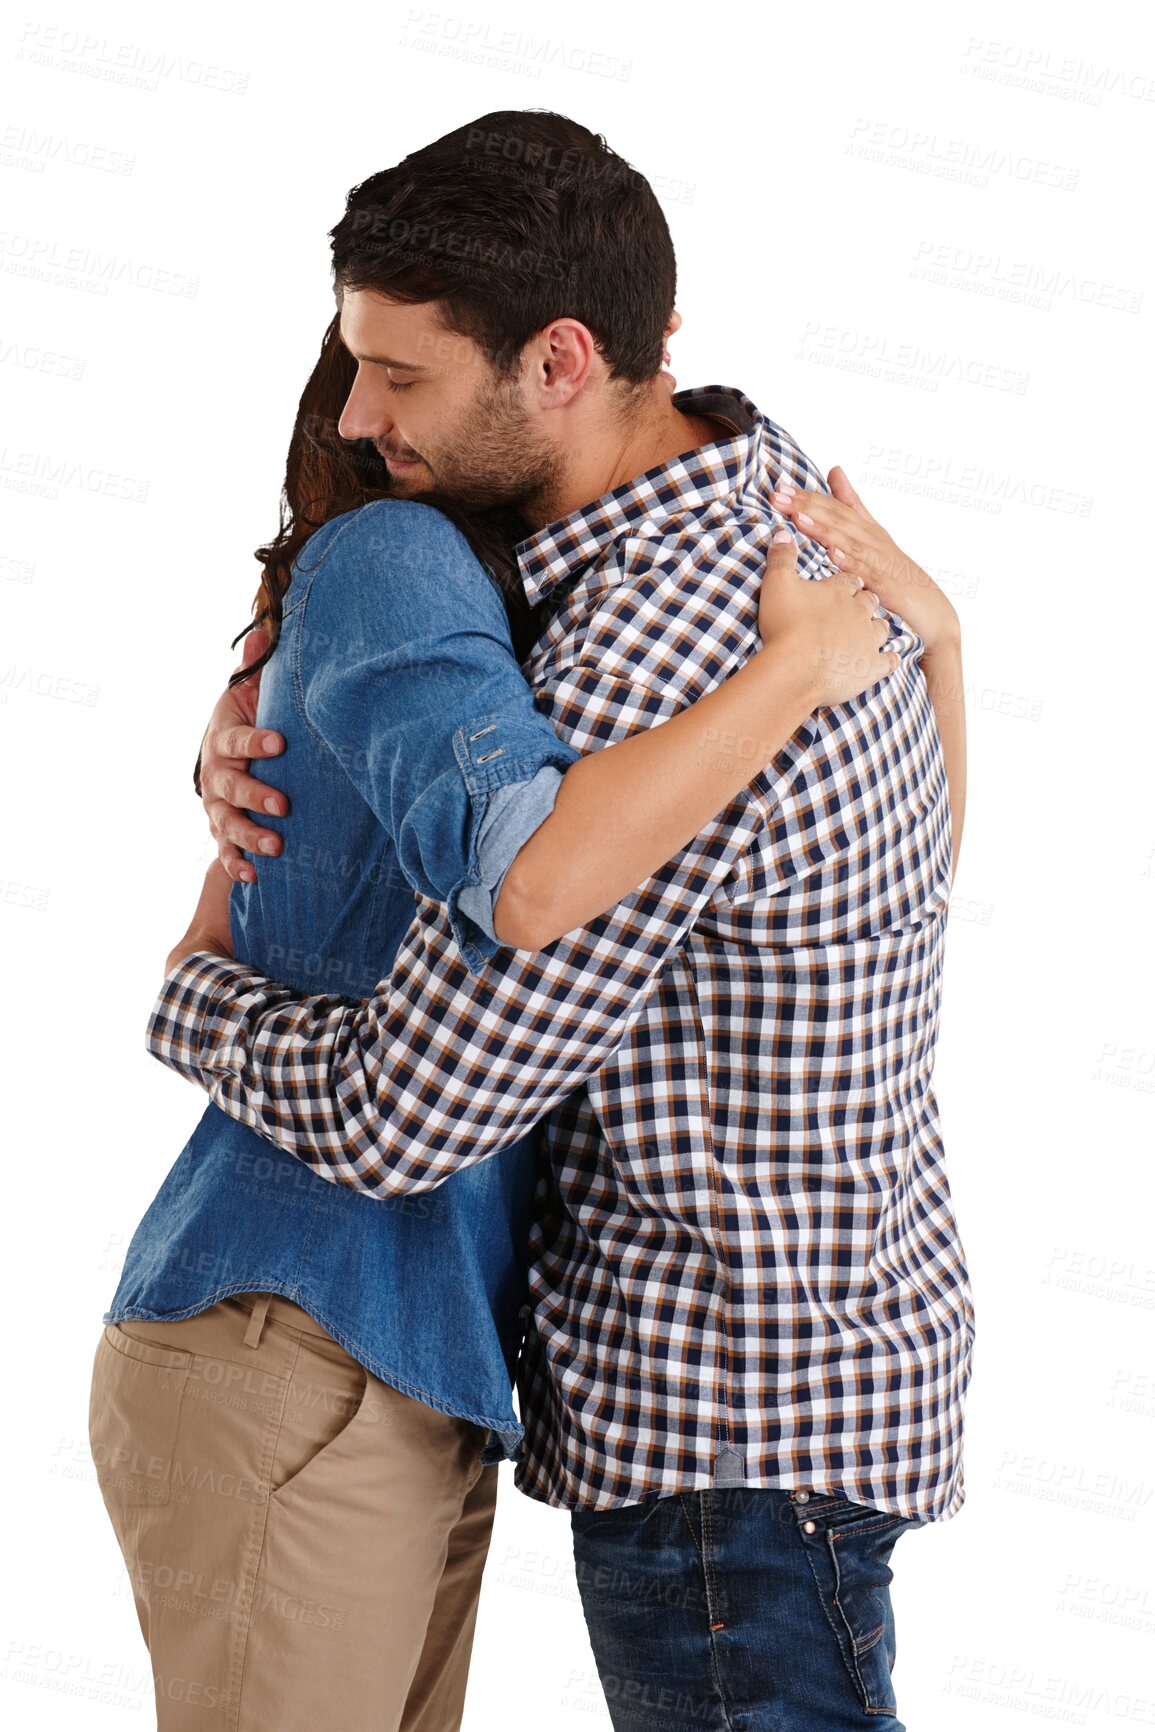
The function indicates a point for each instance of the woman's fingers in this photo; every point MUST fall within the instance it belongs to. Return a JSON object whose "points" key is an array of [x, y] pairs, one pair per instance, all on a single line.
{"points": [[818, 515], [839, 483]]}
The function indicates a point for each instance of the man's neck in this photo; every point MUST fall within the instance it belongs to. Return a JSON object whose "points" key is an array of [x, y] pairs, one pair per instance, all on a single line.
{"points": [[651, 437]]}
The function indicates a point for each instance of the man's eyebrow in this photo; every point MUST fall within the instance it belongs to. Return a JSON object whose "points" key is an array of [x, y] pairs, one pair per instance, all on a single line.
{"points": [[385, 360]]}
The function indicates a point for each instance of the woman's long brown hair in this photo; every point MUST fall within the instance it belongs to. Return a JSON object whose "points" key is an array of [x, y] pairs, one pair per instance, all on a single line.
{"points": [[326, 475]]}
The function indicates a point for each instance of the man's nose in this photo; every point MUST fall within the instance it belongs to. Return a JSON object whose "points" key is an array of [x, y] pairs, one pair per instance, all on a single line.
{"points": [[365, 415]]}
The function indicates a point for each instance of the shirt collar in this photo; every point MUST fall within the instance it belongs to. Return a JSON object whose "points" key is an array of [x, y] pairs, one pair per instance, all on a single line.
{"points": [[696, 478]]}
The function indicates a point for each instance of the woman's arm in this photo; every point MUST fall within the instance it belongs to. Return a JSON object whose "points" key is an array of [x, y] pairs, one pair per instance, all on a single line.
{"points": [[858, 543], [942, 670]]}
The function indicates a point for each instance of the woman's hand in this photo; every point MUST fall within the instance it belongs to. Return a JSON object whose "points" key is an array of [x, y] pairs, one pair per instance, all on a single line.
{"points": [[209, 927], [827, 632], [859, 545]]}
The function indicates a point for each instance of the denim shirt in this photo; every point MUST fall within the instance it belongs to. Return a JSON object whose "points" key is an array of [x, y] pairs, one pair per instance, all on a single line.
{"points": [[415, 759]]}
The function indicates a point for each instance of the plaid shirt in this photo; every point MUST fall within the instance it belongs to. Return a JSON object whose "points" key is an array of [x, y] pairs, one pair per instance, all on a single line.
{"points": [[746, 1267]]}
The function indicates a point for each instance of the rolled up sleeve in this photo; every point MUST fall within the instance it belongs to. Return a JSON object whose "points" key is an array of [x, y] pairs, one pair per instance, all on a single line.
{"points": [[511, 815]]}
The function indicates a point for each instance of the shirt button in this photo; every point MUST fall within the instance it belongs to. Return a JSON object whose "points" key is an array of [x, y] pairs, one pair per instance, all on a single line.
{"points": [[809, 1527]]}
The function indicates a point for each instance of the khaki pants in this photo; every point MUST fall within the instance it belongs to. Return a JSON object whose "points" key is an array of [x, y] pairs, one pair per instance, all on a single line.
{"points": [[305, 1543]]}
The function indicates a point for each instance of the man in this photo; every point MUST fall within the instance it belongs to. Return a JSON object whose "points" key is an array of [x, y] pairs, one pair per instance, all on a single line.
{"points": [[751, 1326]]}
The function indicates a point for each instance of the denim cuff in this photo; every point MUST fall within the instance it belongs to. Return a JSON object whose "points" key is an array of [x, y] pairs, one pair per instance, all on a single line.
{"points": [[511, 815], [512, 778]]}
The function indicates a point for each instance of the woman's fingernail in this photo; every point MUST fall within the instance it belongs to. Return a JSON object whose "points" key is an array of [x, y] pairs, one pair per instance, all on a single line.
{"points": [[271, 805], [785, 486], [781, 500], [837, 553], [270, 743], [806, 522], [781, 535], [268, 846]]}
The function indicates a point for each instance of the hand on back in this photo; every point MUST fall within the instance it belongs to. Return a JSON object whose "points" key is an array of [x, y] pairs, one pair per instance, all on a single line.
{"points": [[229, 792]]}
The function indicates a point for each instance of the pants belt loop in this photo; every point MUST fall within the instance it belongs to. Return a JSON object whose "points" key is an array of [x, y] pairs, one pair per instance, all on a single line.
{"points": [[257, 1321]]}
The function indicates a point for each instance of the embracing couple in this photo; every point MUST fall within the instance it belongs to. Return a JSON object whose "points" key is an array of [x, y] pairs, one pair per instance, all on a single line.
{"points": [[566, 995]]}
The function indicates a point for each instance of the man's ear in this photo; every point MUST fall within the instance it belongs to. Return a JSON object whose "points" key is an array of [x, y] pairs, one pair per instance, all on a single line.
{"points": [[563, 361]]}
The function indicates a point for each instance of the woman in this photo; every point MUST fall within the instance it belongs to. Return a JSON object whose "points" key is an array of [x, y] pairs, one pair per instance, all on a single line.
{"points": [[301, 1394]]}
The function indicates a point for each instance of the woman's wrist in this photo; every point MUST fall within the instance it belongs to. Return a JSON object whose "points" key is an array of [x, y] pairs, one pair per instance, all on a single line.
{"points": [[784, 683]]}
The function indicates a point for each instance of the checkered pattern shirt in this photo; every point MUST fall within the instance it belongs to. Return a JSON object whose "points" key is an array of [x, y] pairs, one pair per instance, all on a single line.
{"points": [[746, 1267]]}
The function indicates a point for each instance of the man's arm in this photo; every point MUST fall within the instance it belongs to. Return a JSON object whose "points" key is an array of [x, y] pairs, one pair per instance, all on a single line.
{"points": [[440, 1068]]}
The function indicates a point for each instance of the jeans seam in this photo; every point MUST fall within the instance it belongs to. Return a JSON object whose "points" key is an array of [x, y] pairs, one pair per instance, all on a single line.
{"points": [[693, 1536], [713, 1621]]}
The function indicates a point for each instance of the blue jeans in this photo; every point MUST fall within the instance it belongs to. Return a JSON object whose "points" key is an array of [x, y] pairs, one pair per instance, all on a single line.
{"points": [[743, 1610]]}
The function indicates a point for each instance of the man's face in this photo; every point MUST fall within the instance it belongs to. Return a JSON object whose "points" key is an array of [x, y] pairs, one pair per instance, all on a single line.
{"points": [[432, 406]]}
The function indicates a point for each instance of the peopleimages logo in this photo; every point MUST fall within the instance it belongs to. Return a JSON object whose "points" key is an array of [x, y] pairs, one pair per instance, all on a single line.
{"points": [[29, 148], [958, 159], [131, 64], [485, 43], [422, 241], [1024, 282], [1066, 76]]}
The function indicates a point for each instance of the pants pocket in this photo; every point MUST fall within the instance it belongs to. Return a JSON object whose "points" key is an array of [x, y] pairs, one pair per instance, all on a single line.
{"points": [[328, 1396], [848, 1546], [134, 1417]]}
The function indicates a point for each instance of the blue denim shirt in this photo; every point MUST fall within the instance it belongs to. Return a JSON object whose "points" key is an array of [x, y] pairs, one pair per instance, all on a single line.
{"points": [[415, 759]]}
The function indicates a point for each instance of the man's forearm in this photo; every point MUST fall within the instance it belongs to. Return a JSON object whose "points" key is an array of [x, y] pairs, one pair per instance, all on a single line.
{"points": [[438, 1069]]}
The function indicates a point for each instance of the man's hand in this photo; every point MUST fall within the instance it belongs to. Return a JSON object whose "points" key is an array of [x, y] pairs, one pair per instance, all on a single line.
{"points": [[228, 791], [859, 545], [209, 927]]}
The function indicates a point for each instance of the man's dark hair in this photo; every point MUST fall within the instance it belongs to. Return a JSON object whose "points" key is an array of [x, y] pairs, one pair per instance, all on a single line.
{"points": [[515, 219]]}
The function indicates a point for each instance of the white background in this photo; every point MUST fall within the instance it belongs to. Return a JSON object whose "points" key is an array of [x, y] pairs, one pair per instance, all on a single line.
{"points": [[921, 242]]}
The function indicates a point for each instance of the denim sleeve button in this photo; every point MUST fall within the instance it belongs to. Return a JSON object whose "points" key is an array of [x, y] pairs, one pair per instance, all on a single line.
{"points": [[810, 1527]]}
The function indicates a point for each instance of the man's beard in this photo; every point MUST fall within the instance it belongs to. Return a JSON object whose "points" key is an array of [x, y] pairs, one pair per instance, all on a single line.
{"points": [[495, 457]]}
